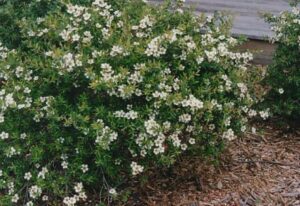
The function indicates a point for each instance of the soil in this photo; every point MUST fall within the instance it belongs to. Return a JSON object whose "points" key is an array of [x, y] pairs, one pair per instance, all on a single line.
{"points": [[258, 169]]}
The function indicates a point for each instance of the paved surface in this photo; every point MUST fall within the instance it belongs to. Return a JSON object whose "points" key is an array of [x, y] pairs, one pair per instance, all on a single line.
{"points": [[247, 13]]}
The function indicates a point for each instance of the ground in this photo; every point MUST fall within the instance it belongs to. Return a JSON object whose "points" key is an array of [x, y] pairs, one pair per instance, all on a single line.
{"points": [[258, 169]]}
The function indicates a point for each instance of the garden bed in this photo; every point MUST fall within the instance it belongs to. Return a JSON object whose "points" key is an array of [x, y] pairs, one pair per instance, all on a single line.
{"points": [[256, 170], [125, 103]]}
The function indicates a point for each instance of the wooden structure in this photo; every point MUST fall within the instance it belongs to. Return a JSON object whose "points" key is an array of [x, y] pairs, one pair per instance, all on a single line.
{"points": [[247, 20], [246, 13]]}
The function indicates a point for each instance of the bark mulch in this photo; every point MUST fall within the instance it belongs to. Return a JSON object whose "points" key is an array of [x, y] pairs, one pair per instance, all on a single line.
{"points": [[261, 169]]}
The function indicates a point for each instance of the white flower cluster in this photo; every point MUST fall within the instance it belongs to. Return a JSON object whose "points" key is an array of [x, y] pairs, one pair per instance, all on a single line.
{"points": [[176, 82], [12, 151], [80, 195], [3, 51], [42, 173], [127, 115], [38, 33], [220, 49], [286, 21], [117, 50], [64, 163], [155, 47], [8, 100], [105, 135], [69, 62], [175, 139], [152, 127], [11, 188], [264, 114], [193, 103], [243, 88], [44, 109], [4, 135], [229, 135], [144, 28], [136, 169], [185, 118], [35, 191]]}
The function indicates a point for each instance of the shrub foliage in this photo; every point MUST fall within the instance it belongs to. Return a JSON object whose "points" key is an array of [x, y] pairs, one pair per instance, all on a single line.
{"points": [[284, 73], [101, 92]]}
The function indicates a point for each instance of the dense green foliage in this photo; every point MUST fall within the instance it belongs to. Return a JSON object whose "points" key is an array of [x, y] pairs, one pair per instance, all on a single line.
{"points": [[13, 11], [284, 73], [99, 92]]}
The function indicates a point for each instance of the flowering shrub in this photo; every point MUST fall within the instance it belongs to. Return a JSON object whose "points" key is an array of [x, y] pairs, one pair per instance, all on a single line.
{"points": [[12, 11], [101, 92], [284, 73]]}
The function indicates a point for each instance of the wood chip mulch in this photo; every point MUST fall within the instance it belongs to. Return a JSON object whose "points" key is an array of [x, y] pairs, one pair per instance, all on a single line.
{"points": [[261, 169]]}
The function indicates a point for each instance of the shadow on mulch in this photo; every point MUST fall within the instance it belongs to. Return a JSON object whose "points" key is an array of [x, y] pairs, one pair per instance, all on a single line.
{"points": [[259, 169]]}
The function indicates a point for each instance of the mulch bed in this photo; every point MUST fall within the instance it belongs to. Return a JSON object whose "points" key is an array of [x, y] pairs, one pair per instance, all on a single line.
{"points": [[261, 169]]}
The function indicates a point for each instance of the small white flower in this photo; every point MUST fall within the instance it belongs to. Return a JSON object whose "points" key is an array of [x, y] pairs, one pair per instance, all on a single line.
{"points": [[45, 198], [75, 37], [43, 173], [1, 118], [4, 135], [183, 147], [64, 165], [30, 203], [78, 187], [211, 127], [86, 16], [199, 60], [23, 136], [49, 53], [281, 91], [15, 198], [27, 176], [84, 168], [112, 191], [192, 141], [82, 196], [243, 128]]}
